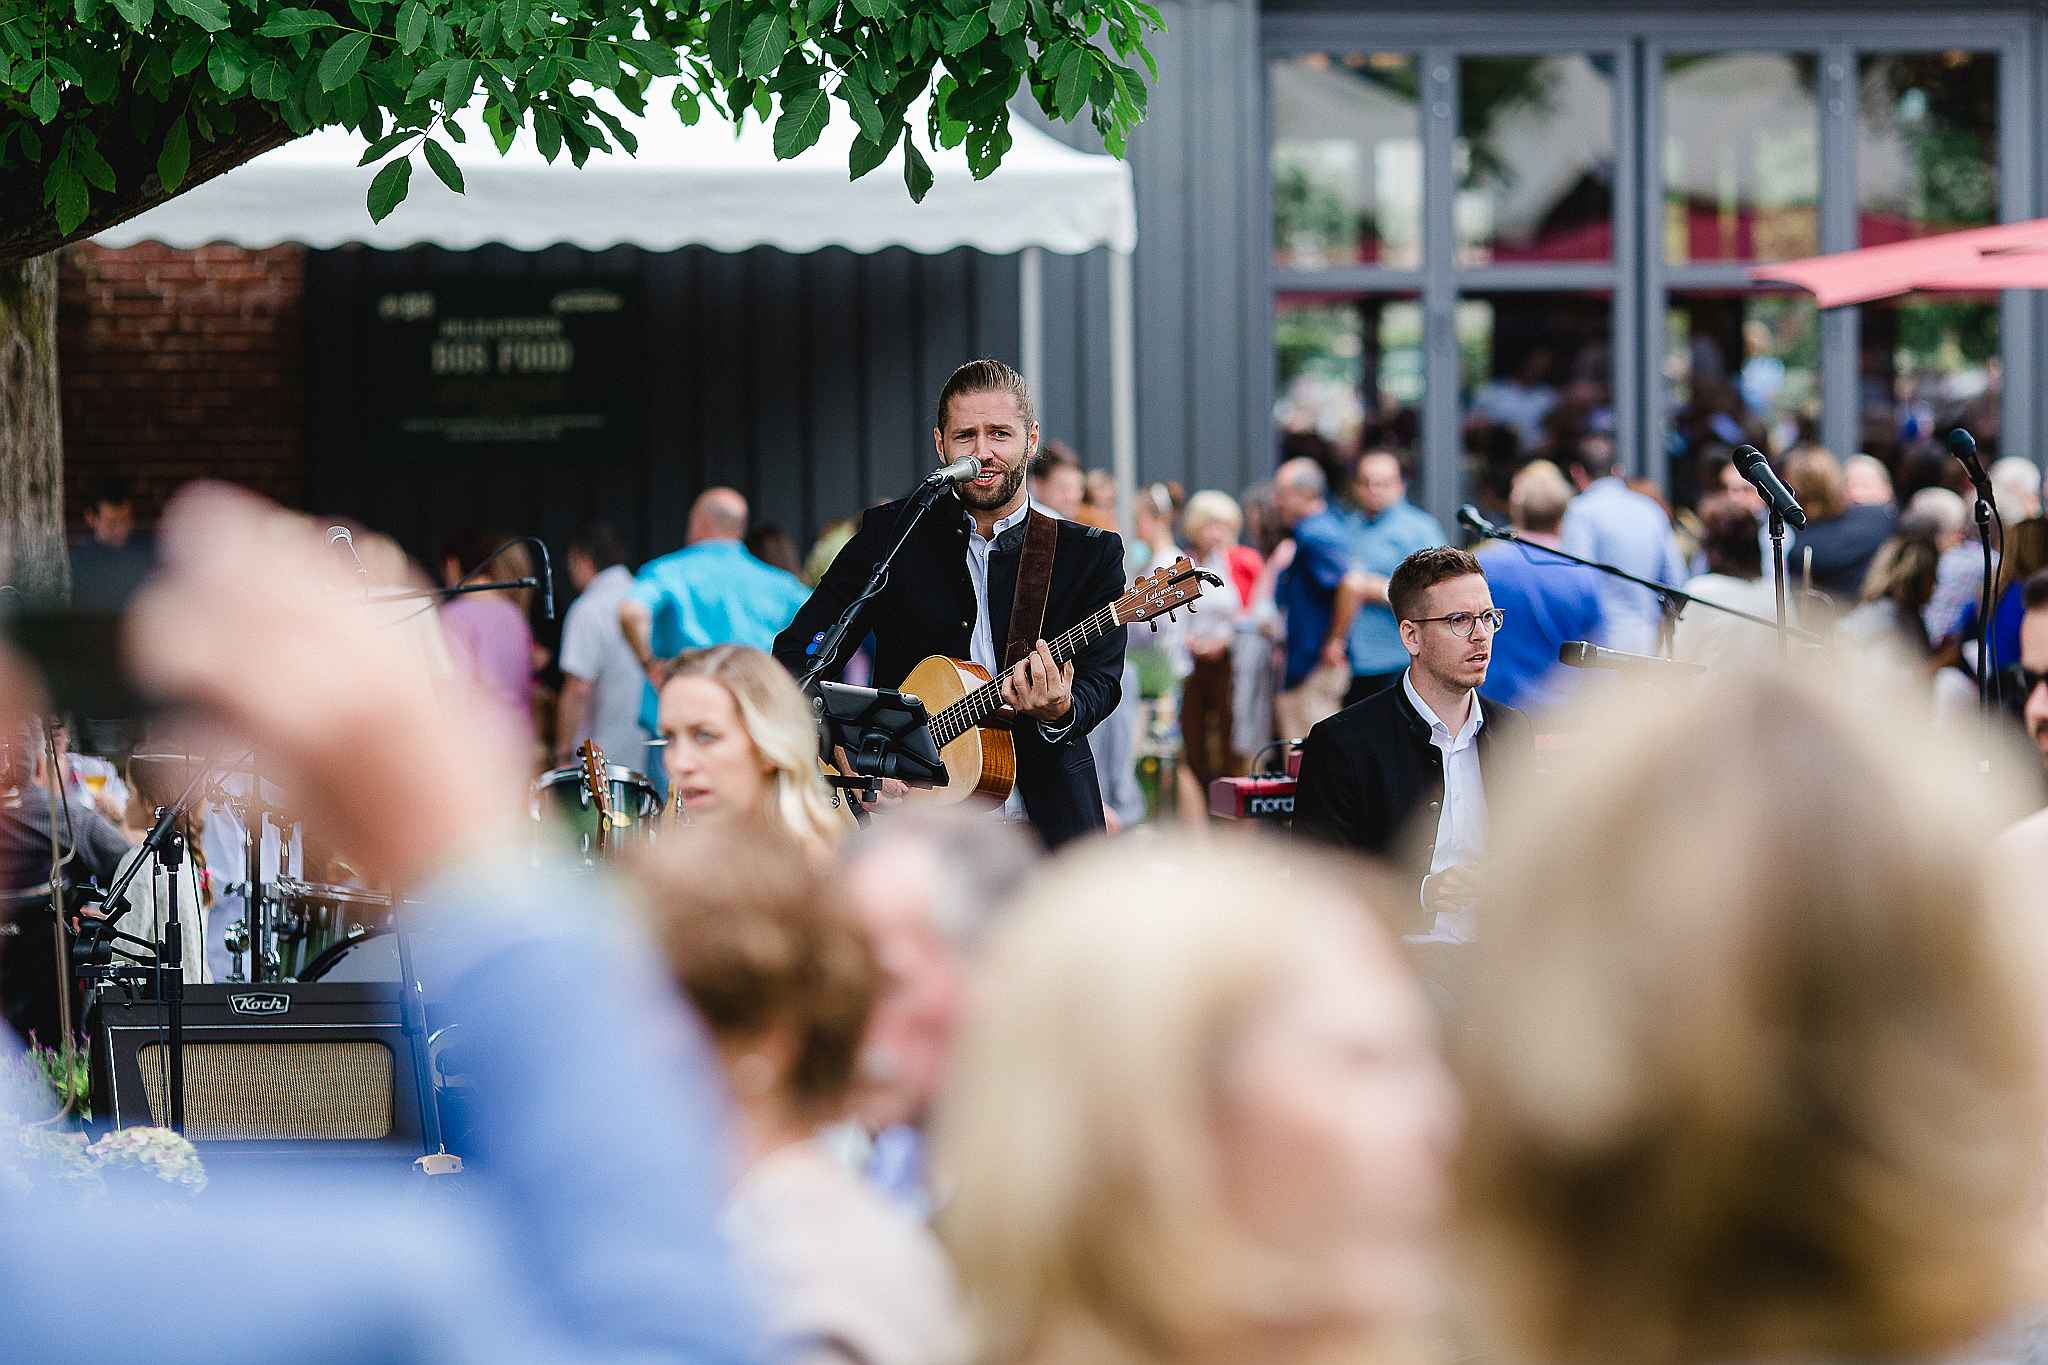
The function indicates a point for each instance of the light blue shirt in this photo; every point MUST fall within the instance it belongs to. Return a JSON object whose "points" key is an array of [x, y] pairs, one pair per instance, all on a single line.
{"points": [[1611, 523], [592, 1236], [713, 593], [1381, 543]]}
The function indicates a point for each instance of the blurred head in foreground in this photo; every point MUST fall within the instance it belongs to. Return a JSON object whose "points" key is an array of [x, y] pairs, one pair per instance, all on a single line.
{"points": [[925, 883], [1750, 1078], [1198, 1113], [783, 984]]}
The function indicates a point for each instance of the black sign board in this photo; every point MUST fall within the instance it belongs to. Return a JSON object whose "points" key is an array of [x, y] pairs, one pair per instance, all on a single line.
{"points": [[474, 366]]}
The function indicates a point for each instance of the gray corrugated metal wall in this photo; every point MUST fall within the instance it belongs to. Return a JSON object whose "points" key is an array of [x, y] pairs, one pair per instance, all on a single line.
{"points": [[1201, 332], [807, 381]]}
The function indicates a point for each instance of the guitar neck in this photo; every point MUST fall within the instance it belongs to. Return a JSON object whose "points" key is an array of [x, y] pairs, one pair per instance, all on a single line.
{"points": [[985, 700]]}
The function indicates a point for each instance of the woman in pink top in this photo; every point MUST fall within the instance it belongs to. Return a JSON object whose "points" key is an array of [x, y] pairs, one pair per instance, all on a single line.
{"points": [[488, 631]]}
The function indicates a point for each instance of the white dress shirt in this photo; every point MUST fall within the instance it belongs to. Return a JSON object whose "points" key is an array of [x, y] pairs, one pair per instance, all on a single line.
{"points": [[981, 645], [1461, 825]]}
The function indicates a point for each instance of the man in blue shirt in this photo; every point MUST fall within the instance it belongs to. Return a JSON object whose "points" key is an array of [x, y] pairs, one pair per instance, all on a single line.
{"points": [[1611, 523], [1548, 600], [1318, 594], [1386, 528], [710, 592]]}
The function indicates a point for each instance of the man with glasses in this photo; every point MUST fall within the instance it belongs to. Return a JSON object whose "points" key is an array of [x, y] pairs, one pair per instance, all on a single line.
{"points": [[1402, 775]]}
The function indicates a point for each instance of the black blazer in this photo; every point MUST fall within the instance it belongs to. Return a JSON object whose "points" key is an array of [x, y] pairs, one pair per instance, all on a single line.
{"points": [[1370, 769], [928, 608]]}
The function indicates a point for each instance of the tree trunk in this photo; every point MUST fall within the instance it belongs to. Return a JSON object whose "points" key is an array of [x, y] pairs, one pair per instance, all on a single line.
{"points": [[32, 550]]}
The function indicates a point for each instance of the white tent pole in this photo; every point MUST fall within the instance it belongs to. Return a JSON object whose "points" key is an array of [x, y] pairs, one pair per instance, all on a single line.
{"points": [[1123, 388], [1031, 315]]}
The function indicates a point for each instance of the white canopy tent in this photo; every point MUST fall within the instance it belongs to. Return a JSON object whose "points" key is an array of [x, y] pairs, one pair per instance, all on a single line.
{"points": [[698, 186]]}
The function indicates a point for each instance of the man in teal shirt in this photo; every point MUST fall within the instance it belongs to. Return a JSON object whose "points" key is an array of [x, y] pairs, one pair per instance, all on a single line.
{"points": [[710, 592], [1385, 528]]}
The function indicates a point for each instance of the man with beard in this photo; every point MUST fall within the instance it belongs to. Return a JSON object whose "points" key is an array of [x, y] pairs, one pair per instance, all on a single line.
{"points": [[950, 592], [1424, 750]]}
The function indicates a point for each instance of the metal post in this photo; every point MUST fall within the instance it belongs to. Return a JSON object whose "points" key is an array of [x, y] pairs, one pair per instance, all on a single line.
{"points": [[1031, 314], [1123, 387]]}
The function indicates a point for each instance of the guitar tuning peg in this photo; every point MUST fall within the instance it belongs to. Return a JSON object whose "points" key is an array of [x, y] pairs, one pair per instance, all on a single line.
{"points": [[1154, 623], [1191, 609]]}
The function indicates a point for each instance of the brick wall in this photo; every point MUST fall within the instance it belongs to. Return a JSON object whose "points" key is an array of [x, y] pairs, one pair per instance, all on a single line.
{"points": [[182, 364]]}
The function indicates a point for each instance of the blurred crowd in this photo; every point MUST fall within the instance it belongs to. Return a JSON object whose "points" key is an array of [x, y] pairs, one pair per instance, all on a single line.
{"points": [[771, 1090]]}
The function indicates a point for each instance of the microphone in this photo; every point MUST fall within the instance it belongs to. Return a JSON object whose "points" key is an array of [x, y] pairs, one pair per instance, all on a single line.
{"points": [[547, 577], [339, 535], [960, 471], [1583, 654], [1470, 518], [1963, 446], [1752, 465]]}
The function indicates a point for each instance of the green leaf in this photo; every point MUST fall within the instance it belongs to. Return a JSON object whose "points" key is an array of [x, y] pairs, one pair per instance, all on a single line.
{"points": [[412, 26], [191, 54], [512, 15], [501, 129], [387, 191], [42, 100], [461, 84], [547, 134], [688, 104], [652, 58], [343, 60], [225, 69], [861, 103], [1072, 86], [427, 80], [454, 131], [211, 15], [804, 116], [88, 159], [967, 33], [270, 81], [917, 172], [285, 23], [766, 41], [722, 39], [72, 199], [1004, 16], [138, 13], [383, 146], [444, 165], [864, 156], [174, 158], [817, 11]]}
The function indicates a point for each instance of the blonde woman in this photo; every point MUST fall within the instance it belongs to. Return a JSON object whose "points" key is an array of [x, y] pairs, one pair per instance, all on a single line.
{"points": [[1751, 1080], [1209, 1126], [741, 744]]}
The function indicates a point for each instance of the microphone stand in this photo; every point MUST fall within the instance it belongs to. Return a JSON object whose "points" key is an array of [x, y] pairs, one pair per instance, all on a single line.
{"points": [[824, 653], [1986, 604], [1778, 576], [1673, 600]]}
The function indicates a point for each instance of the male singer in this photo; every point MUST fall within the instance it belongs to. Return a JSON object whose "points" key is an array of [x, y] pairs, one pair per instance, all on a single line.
{"points": [[1423, 750], [951, 588]]}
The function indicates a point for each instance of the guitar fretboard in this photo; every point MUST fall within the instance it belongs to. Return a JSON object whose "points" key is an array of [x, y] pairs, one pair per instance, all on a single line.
{"points": [[985, 700]]}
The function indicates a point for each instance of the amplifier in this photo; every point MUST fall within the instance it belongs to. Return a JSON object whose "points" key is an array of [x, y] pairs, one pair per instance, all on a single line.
{"points": [[1269, 797], [307, 1071]]}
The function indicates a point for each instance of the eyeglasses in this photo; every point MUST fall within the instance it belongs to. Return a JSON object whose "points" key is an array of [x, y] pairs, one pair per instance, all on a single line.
{"points": [[2023, 681], [1463, 623]]}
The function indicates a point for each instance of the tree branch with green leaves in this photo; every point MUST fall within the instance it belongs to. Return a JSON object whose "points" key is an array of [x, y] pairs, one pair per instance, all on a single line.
{"points": [[108, 107]]}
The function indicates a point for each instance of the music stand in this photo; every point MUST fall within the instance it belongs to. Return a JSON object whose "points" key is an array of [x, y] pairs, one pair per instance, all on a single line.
{"points": [[883, 733]]}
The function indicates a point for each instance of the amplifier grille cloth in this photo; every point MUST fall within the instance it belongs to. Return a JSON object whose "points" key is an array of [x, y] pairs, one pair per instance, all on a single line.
{"points": [[269, 1092]]}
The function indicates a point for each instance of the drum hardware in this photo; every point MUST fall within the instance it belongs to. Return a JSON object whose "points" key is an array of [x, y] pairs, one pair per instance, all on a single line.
{"points": [[606, 807]]}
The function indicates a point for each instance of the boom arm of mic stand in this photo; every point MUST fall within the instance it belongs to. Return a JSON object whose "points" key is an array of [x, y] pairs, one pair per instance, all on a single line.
{"points": [[826, 654], [443, 594], [1664, 590]]}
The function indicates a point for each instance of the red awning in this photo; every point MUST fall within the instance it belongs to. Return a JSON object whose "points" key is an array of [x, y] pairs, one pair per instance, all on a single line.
{"points": [[2009, 256]]}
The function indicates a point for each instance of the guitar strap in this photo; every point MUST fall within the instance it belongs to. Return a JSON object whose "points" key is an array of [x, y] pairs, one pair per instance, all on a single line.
{"points": [[1034, 585]]}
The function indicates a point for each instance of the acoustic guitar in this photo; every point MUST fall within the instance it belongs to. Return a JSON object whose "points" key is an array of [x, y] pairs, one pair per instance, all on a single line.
{"points": [[599, 790], [961, 698]]}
